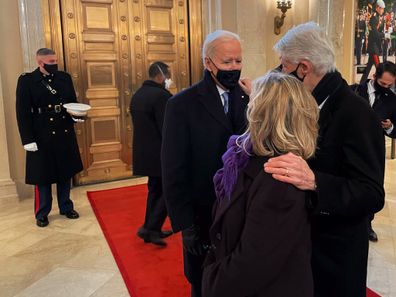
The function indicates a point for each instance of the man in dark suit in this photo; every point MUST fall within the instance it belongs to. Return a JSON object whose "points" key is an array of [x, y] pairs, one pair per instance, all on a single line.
{"points": [[147, 109], [378, 94], [198, 124], [347, 173], [47, 134], [375, 38]]}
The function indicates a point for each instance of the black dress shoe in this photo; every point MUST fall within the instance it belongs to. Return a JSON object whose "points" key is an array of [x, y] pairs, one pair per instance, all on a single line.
{"points": [[42, 222], [151, 237], [143, 234], [166, 233], [372, 235], [71, 214]]}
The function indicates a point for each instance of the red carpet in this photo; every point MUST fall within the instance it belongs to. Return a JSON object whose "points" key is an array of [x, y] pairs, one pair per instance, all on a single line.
{"points": [[148, 271], [371, 293]]}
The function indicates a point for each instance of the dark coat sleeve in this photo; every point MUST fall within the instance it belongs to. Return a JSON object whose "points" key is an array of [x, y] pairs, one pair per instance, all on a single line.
{"points": [[270, 235], [159, 111], [393, 120], [23, 110], [175, 162], [359, 190]]}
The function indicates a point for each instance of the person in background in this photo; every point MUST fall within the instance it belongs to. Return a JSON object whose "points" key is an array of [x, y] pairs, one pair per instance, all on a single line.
{"points": [[360, 29], [282, 118], [375, 38], [198, 123], [147, 108], [47, 134], [377, 92]]}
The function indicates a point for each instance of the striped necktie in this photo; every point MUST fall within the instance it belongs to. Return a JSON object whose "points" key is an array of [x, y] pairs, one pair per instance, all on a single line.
{"points": [[225, 96]]}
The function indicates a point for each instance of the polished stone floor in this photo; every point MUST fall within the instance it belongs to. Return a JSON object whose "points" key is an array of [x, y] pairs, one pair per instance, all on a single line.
{"points": [[72, 258]]}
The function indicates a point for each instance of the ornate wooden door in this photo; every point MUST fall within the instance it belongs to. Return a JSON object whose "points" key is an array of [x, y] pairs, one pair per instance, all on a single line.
{"points": [[108, 46]]}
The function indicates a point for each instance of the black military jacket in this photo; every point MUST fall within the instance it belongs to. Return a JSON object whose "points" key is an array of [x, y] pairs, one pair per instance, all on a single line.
{"points": [[42, 119]]}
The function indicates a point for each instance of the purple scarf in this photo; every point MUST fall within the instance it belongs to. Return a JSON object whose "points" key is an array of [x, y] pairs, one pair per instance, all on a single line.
{"points": [[234, 159]]}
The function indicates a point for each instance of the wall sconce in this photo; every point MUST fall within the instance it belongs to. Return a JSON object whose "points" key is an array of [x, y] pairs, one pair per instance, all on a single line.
{"points": [[283, 5]]}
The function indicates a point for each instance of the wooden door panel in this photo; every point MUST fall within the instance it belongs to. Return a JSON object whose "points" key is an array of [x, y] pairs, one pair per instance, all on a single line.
{"points": [[108, 48]]}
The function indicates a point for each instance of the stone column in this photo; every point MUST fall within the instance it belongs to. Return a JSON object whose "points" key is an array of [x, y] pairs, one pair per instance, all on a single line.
{"points": [[32, 31], [7, 186]]}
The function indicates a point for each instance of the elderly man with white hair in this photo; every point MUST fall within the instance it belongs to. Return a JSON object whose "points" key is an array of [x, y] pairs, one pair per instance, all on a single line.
{"points": [[346, 175], [198, 123]]}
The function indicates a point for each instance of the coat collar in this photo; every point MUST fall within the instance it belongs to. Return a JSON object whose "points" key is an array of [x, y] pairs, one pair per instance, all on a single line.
{"points": [[328, 89], [39, 76], [151, 83], [209, 96], [253, 168]]}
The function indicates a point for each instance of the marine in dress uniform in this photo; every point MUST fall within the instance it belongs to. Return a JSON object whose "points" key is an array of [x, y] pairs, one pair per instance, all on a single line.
{"points": [[375, 38], [47, 133]]}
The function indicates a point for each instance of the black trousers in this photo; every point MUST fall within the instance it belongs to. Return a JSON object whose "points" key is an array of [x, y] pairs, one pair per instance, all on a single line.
{"points": [[373, 60], [43, 198], [358, 49], [193, 265], [155, 207]]}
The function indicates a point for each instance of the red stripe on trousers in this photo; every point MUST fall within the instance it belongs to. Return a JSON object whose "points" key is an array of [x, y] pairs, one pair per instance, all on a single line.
{"points": [[376, 60], [37, 200]]}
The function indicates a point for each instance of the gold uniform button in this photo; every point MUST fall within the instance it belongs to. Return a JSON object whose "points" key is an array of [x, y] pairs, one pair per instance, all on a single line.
{"points": [[66, 131], [63, 117], [53, 132], [49, 105], [51, 119], [61, 104]]}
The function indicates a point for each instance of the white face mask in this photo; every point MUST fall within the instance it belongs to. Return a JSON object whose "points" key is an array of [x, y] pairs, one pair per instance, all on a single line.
{"points": [[168, 83]]}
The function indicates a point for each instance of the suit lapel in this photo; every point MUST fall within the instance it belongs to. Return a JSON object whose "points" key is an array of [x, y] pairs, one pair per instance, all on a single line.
{"points": [[210, 99]]}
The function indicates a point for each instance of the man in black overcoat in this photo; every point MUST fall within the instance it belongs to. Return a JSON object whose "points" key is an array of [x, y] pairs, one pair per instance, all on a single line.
{"points": [[47, 134], [378, 94], [347, 173], [147, 109], [198, 124]]}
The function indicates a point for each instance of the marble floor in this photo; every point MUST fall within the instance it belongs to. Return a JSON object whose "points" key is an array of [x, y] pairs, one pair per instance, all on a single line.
{"points": [[72, 258]]}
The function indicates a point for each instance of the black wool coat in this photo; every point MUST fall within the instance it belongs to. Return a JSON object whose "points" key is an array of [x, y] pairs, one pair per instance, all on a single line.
{"points": [[260, 238], [148, 109], [58, 156], [385, 108], [195, 135], [349, 171]]}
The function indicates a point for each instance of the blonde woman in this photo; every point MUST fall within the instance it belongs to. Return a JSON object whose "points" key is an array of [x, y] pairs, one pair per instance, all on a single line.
{"points": [[261, 233]]}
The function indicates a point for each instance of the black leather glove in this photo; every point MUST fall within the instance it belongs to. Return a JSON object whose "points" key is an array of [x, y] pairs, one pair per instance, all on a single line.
{"points": [[191, 241]]}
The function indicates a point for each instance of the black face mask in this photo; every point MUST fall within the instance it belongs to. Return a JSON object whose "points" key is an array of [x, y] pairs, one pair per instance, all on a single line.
{"points": [[228, 78], [380, 89], [294, 73], [51, 68]]}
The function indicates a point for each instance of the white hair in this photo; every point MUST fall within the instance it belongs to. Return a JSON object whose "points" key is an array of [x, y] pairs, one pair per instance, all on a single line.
{"points": [[209, 45], [308, 42]]}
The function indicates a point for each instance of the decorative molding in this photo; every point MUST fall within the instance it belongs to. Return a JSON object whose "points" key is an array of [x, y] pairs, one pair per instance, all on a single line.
{"points": [[32, 33], [7, 186]]}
